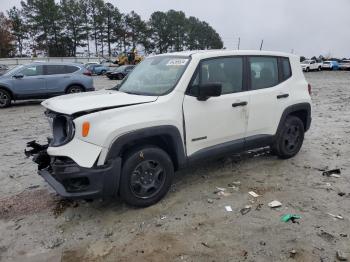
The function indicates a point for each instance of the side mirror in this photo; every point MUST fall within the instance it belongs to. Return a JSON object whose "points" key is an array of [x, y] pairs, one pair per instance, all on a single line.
{"points": [[17, 76], [209, 90]]}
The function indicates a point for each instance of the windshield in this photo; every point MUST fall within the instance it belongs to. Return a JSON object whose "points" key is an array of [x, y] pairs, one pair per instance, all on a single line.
{"points": [[9, 72], [155, 76]]}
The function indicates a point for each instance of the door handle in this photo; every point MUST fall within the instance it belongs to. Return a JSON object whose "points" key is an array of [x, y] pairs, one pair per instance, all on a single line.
{"points": [[240, 104], [282, 96]]}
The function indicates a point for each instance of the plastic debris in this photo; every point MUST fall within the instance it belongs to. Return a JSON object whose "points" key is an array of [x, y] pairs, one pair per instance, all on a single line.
{"points": [[228, 208], [292, 217], [333, 173], [223, 193], [246, 209], [274, 204], [253, 194], [336, 216], [292, 253]]}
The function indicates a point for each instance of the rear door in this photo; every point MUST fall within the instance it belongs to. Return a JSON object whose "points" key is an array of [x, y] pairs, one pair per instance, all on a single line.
{"points": [[219, 122], [58, 77], [29, 81], [269, 85]]}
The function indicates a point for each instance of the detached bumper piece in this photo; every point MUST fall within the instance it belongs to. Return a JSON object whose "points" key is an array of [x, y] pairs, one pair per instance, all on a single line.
{"points": [[73, 181]]}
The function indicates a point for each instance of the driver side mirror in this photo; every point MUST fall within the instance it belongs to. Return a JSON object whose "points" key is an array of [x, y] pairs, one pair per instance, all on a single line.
{"points": [[209, 90], [17, 76]]}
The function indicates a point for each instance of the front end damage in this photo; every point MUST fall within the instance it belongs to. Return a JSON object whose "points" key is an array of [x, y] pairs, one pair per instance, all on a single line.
{"points": [[69, 179]]}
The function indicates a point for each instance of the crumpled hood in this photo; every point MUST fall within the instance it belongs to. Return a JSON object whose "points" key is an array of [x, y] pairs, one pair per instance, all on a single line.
{"points": [[94, 101]]}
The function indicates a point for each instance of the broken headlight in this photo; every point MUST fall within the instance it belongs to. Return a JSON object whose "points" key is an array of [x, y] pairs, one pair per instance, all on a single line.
{"points": [[63, 129]]}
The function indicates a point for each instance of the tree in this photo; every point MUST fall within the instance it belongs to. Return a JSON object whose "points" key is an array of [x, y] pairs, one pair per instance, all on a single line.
{"points": [[74, 29], [6, 43], [18, 28], [159, 31]]}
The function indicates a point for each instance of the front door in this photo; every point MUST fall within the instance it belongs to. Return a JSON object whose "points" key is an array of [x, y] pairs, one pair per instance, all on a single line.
{"points": [[29, 82], [219, 122]]}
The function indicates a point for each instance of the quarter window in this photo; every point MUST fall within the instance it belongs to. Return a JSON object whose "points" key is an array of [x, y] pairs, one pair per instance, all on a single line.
{"points": [[264, 72], [286, 71], [71, 69], [54, 69]]}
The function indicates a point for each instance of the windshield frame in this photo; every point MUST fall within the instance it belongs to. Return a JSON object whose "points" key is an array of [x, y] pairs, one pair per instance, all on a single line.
{"points": [[170, 89]]}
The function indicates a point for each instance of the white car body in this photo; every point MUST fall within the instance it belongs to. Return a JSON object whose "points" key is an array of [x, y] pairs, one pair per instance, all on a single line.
{"points": [[247, 116], [310, 65], [344, 65]]}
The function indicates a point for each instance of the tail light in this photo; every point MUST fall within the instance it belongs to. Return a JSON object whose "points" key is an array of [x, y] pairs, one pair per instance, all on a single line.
{"points": [[309, 89], [87, 73]]}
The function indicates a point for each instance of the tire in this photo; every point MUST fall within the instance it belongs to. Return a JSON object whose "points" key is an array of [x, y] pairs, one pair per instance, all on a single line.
{"points": [[120, 77], [290, 138], [146, 176], [5, 98], [319, 68], [307, 69], [103, 72], [74, 89]]}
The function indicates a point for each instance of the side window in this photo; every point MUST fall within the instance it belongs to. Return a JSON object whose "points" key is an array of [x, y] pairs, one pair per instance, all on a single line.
{"points": [[264, 72], [226, 71], [286, 69], [32, 70], [54, 69], [70, 69]]}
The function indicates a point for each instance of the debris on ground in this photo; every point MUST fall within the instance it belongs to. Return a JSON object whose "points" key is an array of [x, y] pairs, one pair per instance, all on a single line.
{"points": [[210, 201], [288, 217], [228, 208], [53, 243], [275, 204], [341, 194], [259, 206], [343, 235], [205, 244], [162, 217], [332, 173], [292, 253], [218, 190], [341, 256], [246, 210], [253, 194], [223, 193], [336, 216]]}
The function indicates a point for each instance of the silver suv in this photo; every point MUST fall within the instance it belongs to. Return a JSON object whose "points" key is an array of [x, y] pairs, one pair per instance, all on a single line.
{"points": [[43, 80]]}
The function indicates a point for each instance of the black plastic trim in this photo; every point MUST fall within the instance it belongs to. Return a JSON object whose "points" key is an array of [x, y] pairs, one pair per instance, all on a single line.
{"points": [[147, 133], [294, 108]]}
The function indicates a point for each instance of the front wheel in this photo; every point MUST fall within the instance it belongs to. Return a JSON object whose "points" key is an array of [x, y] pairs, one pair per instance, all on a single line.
{"points": [[290, 138], [5, 98], [146, 176]]}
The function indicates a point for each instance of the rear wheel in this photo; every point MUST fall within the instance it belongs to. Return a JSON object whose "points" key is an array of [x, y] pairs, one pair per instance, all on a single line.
{"points": [[307, 69], [74, 89], [5, 98], [146, 176], [290, 138], [103, 72]]}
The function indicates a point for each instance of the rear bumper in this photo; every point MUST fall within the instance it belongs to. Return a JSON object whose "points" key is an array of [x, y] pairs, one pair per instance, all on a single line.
{"points": [[72, 181]]}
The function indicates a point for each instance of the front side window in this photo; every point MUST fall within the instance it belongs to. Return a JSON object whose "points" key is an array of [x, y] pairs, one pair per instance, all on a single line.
{"points": [[32, 70], [155, 76], [263, 72], [227, 71]]}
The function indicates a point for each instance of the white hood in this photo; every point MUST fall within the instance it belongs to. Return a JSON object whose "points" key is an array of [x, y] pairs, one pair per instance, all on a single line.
{"points": [[91, 101]]}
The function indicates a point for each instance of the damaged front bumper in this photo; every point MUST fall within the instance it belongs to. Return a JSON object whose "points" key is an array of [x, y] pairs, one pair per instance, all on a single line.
{"points": [[73, 181]]}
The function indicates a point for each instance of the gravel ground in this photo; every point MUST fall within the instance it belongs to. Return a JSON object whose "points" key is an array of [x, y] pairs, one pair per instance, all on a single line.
{"points": [[190, 223]]}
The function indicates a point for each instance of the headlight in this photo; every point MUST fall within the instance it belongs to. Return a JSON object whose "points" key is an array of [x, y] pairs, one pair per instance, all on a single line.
{"points": [[63, 130]]}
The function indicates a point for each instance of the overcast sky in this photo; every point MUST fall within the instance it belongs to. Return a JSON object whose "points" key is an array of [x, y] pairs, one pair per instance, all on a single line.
{"points": [[309, 27]]}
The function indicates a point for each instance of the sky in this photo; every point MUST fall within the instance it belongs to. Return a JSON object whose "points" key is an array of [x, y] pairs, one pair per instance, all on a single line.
{"points": [[305, 27]]}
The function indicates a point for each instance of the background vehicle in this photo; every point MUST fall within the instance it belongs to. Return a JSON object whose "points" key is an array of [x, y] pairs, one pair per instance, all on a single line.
{"points": [[98, 69], [129, 58], [344, 65], [311, 65], [43, 80], [91, 63], [131, 139], [3, 69], [330, 65], [120, 72]]}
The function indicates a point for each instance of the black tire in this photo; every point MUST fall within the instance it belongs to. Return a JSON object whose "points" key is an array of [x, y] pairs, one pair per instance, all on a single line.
{"points": [[290, 138], [146, 176], [103, 72], [319, 68], [307, 69], [120, 76], [74, 89], [5, 98]]}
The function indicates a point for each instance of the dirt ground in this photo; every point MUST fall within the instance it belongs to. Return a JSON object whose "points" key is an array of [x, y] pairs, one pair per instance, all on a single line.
{"points": [[190, 223]]}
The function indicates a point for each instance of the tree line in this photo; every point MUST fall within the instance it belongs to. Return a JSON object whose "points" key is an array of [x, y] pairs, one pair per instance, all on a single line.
{"points": [[64, 28]]}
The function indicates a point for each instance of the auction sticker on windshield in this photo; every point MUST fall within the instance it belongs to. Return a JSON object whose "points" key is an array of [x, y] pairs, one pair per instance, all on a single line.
{"points": [[177, 62]]}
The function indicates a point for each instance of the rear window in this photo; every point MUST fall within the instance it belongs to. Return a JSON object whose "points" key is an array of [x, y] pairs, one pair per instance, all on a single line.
{"points": [[71, 69], [264, 72]]}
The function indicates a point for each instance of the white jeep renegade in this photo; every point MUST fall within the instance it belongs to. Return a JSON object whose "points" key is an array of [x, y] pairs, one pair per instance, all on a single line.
{"points": [[171, 111]]}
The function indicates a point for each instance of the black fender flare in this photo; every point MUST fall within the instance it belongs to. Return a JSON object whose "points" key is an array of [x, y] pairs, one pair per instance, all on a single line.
{"points": [[294, 108], [171, 132]]}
